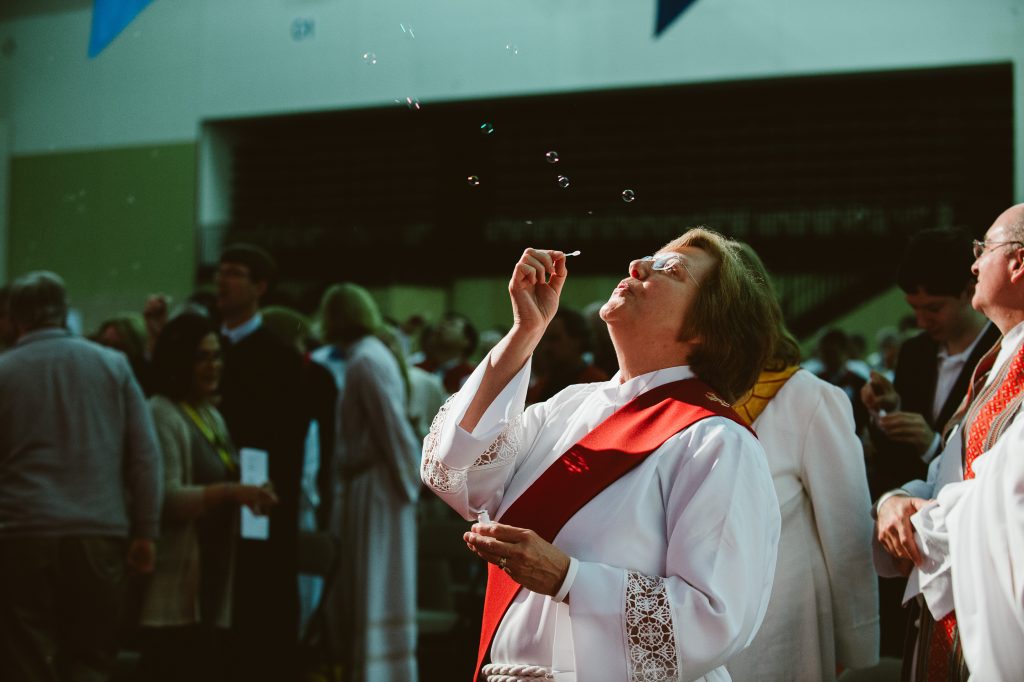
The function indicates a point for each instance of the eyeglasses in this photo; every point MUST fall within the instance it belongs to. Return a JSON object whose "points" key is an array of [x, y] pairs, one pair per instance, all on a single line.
{"points": [[981, 246], [670, 263]]}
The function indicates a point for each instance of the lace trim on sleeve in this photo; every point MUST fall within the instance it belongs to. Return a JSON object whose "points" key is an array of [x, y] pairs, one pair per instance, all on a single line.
{"points": [[504, 447], [438, 476], [446, 479], [650, 639]]}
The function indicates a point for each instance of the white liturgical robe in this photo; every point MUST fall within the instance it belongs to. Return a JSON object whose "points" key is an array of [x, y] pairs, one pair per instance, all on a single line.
{"points": [[672, 564], [372, 603], [973, 541], [824, 606]]}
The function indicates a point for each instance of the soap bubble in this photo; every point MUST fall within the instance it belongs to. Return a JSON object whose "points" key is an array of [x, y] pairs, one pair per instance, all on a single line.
{"points": [[511, 48], [486, 128], [369, 58], [563, 181], [412, 103], [552, 157], [628, 196], [407, 30], [473, 181]]}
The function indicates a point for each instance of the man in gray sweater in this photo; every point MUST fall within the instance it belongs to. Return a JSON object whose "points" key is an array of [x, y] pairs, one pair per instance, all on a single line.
{"points": [[80, 488]]}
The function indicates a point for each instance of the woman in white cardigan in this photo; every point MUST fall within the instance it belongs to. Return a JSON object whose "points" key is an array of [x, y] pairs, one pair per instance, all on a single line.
{"points": [[188, 599], [823, 612]]}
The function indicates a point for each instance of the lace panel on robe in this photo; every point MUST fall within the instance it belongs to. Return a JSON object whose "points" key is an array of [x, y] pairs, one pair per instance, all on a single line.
{"points": [[650, 639], [446, 479], [504, 448]]}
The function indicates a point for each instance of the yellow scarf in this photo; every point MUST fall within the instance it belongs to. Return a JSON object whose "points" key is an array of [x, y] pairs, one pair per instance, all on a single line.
{"points": [[752, 404]]}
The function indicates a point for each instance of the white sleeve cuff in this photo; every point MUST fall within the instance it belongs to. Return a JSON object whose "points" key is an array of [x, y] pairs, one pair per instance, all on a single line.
{"points": [[570, 578], [461, 448], [934, 577]]}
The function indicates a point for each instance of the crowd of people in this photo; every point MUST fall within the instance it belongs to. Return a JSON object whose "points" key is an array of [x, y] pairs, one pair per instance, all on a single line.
{"points": [[661, 486]]}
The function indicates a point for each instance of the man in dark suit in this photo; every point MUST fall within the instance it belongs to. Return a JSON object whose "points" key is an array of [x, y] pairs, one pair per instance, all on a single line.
{"points": [[262, 404], [932, 375], [935, 366]]}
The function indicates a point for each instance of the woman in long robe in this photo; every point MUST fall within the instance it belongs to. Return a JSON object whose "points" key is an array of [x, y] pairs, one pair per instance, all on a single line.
{"points": [[373, 599]]}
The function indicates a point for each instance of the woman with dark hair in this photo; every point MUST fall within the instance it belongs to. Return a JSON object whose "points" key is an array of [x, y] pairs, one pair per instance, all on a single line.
{"points": [[188, 600]]}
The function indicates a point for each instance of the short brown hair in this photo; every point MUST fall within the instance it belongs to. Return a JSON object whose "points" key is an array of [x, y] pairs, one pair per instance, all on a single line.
{"points": [[731, 316], [262, 267]]}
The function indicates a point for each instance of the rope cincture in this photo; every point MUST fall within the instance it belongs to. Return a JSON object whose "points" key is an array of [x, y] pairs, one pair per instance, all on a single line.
{"points": [[512, 672]]}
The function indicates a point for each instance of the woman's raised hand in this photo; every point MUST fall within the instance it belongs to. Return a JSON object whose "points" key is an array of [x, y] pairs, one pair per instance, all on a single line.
{"points": [[535, 287]]}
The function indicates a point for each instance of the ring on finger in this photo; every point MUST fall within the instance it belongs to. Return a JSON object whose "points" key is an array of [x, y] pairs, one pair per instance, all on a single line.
{"points": [[502, 561]]}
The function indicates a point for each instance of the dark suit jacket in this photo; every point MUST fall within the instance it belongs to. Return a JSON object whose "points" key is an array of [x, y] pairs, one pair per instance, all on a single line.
{"points": [[916, 375], [263, 404]]}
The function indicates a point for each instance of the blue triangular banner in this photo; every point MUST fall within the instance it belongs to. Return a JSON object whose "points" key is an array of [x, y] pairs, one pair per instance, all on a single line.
{"points": [[109, 18], [669, 11]]}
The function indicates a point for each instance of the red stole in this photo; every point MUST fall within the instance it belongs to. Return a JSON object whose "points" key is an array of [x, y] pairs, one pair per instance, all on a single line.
{"points": [[612, 449], [984, 423]]}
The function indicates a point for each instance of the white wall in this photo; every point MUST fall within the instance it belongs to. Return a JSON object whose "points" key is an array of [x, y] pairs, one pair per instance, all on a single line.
{"points": [[185, 61]]}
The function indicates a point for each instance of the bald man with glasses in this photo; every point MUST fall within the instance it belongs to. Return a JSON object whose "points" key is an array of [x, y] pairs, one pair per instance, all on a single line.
{"points": [[912, 531]]}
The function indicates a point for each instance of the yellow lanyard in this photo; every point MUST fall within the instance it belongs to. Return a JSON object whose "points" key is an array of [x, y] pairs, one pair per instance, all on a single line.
{"points": [[215, 440]]}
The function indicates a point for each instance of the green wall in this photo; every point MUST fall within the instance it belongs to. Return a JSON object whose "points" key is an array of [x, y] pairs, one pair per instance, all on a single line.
{"points": [[117, 224], [401, 301]]}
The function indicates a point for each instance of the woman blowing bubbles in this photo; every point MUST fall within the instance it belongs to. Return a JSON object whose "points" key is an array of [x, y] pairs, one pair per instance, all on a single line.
{"points": [[637, 524]]}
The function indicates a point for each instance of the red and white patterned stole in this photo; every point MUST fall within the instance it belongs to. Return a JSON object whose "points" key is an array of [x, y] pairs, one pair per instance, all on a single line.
{"points": [[986, 419]]}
